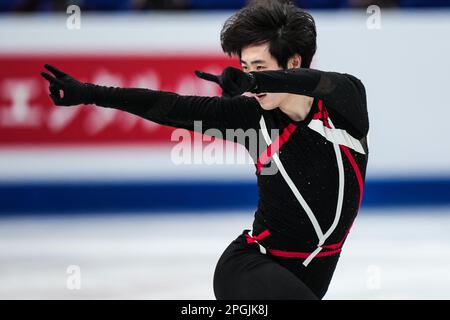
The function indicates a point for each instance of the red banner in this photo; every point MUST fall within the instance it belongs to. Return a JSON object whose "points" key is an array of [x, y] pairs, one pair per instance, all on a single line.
{"points": [[27, 115]]}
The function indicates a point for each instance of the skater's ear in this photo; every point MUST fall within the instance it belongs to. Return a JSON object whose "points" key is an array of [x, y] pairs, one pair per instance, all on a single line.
{"points": [[294, 62]]}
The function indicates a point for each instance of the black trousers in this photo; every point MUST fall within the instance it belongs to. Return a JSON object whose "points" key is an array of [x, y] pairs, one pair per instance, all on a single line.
{"points": [[244, 273]]}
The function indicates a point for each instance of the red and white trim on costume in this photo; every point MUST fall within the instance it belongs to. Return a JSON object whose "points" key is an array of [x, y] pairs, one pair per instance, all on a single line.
{"points": [[341, 140], [329, 249], [275, 146], [321, 123]]}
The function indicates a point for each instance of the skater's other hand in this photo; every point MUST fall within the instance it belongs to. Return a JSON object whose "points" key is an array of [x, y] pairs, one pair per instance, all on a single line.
{"points": [[233, 81], [74, 92]]}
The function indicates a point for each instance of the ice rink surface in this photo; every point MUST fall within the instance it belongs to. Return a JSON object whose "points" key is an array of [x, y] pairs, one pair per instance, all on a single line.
{"points": [[389, 254]]}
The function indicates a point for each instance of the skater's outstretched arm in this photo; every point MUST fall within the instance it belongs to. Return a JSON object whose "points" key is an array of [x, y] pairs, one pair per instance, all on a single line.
{"points": [[343, 94], [165, 108]]}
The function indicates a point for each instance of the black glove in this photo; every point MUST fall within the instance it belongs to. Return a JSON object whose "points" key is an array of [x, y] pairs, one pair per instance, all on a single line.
{"points": [[233, 81], [74, 91]]}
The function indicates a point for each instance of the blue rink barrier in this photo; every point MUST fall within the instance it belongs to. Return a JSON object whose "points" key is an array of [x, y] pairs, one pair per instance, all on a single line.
{"points": [[108, 197]]}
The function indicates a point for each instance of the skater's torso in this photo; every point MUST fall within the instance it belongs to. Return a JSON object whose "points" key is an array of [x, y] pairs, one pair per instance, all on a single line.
{"points": [[309, 159]]}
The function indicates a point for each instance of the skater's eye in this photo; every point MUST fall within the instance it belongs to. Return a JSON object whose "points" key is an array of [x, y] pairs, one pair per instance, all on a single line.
{"points": [[244, 68], [260, 67]]}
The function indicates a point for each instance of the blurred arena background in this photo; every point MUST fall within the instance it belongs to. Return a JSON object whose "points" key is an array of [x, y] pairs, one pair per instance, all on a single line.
{"points": [[91, 196]]}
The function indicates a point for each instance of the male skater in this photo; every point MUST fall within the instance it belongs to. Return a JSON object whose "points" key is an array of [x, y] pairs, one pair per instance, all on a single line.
{"points": [[307, 206]]}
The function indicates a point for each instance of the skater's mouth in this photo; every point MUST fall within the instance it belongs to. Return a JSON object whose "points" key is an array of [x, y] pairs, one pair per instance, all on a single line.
{"points": [[260, 96]]}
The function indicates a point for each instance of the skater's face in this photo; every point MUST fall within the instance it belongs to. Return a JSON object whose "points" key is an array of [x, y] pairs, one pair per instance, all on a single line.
{"points": [[258, 58]]}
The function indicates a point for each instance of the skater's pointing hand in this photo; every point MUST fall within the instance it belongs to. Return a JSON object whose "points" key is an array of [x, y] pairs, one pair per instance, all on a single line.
{"points": [[233, 81], [74, 91]]}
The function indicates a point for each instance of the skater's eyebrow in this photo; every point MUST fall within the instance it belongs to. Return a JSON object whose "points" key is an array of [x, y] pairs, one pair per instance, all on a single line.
{"points": [[259, 61]]}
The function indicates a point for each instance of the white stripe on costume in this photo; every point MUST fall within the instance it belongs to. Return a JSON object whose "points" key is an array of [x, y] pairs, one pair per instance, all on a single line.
{"points": [[290, 183], [336, 135], [340, 200]]}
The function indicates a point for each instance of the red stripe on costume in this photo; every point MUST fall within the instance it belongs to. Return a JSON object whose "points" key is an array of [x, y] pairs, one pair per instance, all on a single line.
{"points": [[275, 146], [258, 237], [339, 244], [322, 114], [332, 249], [357, 171], [301, 255]]}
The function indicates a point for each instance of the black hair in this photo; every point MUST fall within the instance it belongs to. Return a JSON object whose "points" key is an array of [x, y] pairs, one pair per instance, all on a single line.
{"points": [[287, 29]]}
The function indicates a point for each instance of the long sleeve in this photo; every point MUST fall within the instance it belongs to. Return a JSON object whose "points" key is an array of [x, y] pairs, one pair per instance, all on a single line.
{"points": [[180, 111], [343, 94]]}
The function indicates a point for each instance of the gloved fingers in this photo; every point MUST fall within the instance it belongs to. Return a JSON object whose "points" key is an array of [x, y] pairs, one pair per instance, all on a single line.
{"points": [[55, 84], [235, 74], [231, 86], [55, 71], [232, 72], [55, 89], [52, 80], [238, 78], [48, 77], [207, 76], [57, 100]]}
